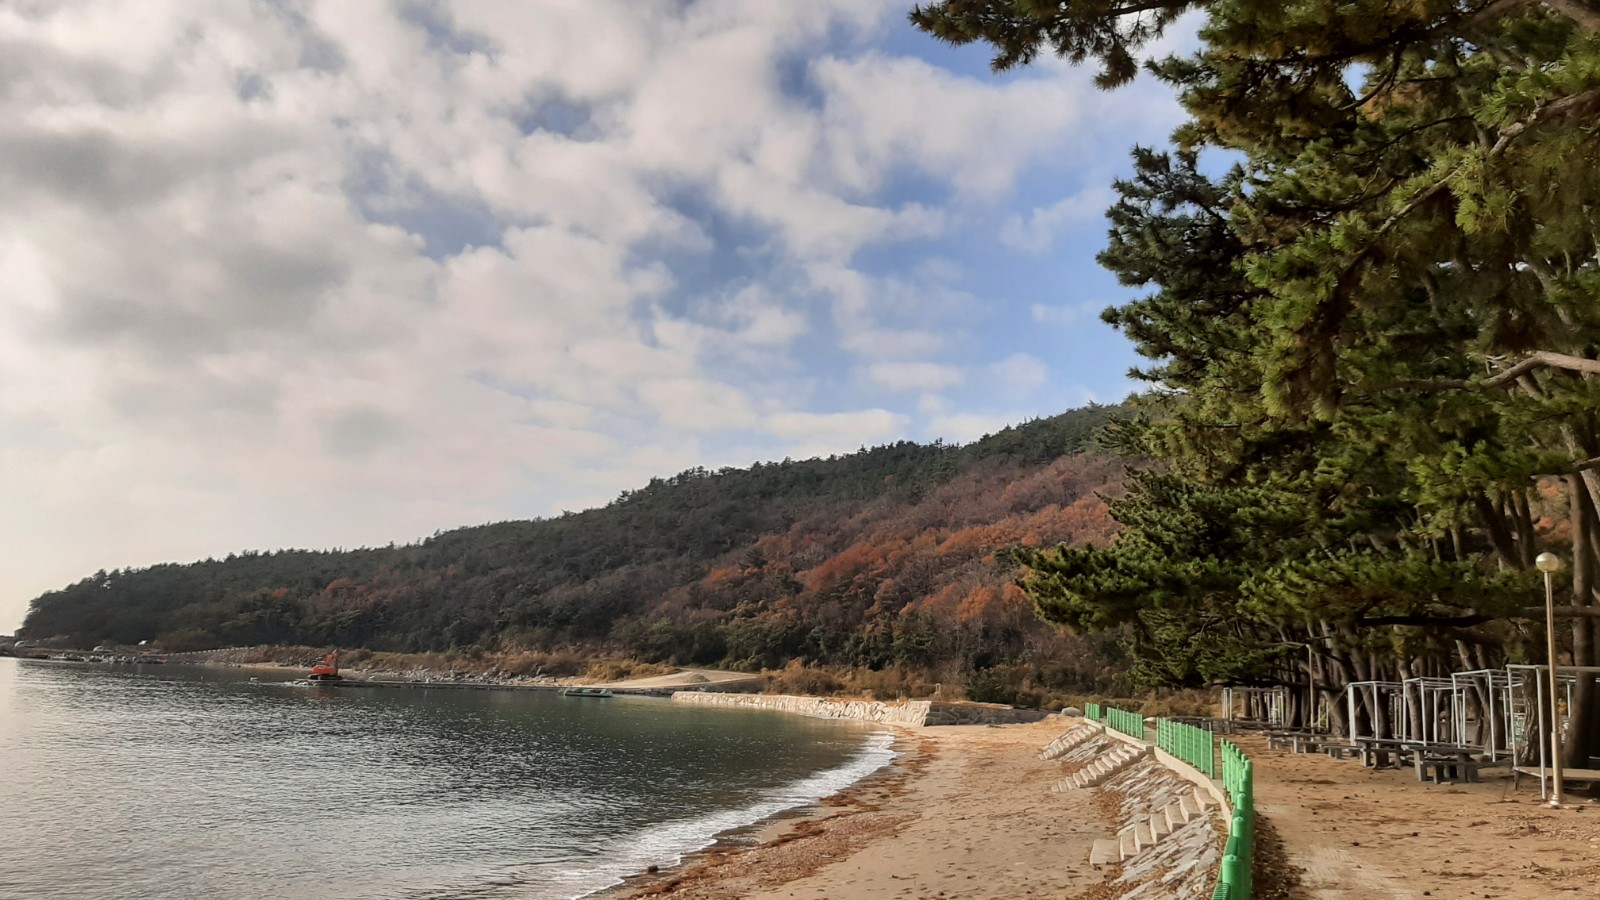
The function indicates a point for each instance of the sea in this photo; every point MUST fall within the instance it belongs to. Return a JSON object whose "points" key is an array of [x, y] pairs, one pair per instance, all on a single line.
{"points": [[182, 781]]}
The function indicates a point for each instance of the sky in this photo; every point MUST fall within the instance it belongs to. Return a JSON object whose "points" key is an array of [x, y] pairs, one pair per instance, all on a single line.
{"points": [[335, 274]]}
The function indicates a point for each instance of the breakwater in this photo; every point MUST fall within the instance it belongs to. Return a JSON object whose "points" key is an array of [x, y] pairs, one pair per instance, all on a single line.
{"points": [[905, 712]]}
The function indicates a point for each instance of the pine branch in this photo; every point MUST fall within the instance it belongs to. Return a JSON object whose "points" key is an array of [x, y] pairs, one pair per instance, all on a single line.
{"points": [[1427, 621], [1545, 359], [1586, 13], [1566, 612], [1542, 359], [1553, 110]]}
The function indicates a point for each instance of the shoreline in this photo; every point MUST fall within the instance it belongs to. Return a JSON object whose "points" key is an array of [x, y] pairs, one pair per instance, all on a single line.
{"points": [[891, 827], [712, 681], [779, 828], [963, 810], [967, 810], [889, 832]]}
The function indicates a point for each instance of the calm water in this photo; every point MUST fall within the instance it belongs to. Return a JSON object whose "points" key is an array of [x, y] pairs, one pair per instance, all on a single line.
{"points": [[168, 781]]}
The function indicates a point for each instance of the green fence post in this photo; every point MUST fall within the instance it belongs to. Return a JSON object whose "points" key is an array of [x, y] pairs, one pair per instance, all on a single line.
{"points": [[1230, 869], [1244, 824]]}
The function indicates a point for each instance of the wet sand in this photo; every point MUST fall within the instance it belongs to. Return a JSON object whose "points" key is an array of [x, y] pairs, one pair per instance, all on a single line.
{"points": [[966, 811]]}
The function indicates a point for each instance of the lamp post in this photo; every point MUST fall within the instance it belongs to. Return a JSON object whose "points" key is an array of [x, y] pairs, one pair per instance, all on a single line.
{"points": [[1550, 564]]}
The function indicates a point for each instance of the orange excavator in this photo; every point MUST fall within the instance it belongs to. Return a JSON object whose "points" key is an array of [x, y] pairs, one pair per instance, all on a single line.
{"points": [[327, 670]]}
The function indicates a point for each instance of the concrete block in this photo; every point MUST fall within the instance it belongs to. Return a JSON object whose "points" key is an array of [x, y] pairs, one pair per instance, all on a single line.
{"points": [[1176, 815], [1105, 852], [1192, 805], [1159, 827]]}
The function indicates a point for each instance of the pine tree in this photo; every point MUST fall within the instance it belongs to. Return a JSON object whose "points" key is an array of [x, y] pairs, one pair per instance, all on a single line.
{"points": [[1385, 319]]}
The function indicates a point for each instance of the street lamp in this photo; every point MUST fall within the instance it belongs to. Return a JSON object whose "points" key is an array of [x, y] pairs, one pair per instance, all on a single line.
{"points": [[1550, 564]]}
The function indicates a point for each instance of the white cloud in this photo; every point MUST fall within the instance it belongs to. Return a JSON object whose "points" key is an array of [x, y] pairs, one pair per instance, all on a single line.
{"points": [[328, 274], [896, 317], [915, 376], [1020, 372], [758, 316], [1065, 314], [821, 434], [691, 404], [889, 114], [1036, 232], [964, 428]]}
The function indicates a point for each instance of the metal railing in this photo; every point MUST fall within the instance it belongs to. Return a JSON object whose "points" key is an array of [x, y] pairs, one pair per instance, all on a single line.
{"points": [[1129, 723], [1238, 855], [1197, 747]]}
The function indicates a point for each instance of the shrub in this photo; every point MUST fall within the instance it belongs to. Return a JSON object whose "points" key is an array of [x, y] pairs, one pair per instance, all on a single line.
{"points": [[799, 678]]}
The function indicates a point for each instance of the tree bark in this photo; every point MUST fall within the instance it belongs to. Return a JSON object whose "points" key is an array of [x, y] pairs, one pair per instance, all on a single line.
{"points": [[1584, 717]]}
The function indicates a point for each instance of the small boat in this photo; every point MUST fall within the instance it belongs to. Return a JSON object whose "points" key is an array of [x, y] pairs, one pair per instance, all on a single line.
{"points": [[586, 692]]}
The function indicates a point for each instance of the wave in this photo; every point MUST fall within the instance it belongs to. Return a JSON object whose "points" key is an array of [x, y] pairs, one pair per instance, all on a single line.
{"points": [[669, 843]]}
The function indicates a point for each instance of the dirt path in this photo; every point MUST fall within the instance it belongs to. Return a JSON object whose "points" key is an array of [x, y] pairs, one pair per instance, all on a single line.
{"points": [[1359, 833]]}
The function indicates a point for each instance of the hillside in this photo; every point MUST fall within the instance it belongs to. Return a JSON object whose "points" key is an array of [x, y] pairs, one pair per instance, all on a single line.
{"points": [[884, 557]]}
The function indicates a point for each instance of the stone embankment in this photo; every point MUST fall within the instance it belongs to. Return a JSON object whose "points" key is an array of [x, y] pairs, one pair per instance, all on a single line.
{"points": [[225, 656], [1167, 826], [905, 712]]}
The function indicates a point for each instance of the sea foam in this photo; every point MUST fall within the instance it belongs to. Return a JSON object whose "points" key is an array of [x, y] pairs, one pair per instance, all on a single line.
{"points": [[667, 844]]}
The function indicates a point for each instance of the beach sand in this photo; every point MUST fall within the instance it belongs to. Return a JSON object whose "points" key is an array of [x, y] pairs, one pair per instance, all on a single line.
{"points": [[1351, 832], [966, 811]]}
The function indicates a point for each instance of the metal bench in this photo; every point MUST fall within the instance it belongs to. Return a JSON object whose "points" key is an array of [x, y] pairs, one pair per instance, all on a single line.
{"points": [[1294, 740], [1439, 769], [1379, 753]]}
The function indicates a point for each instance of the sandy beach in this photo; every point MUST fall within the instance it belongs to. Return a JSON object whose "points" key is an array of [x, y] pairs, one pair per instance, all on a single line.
{"points": [[1348, 832], [966, 812]]}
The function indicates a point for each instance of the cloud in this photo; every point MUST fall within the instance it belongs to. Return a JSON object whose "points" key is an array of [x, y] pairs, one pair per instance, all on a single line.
{"points": [[331, 273], [1037, 231], [896, 317], [690, 404], [1020, 373], [820, 434], [879, 109], [1065, 314], [915, 376], [964, 428]]}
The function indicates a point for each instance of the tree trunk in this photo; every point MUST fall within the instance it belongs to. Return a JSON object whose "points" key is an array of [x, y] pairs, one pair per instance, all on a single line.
{"points": [[1413, 704], [1584, 717], [1584, 13]]}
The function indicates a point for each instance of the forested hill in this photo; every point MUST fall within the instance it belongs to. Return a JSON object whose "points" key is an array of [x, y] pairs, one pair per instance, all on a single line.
{"points": [[881, 557]]}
